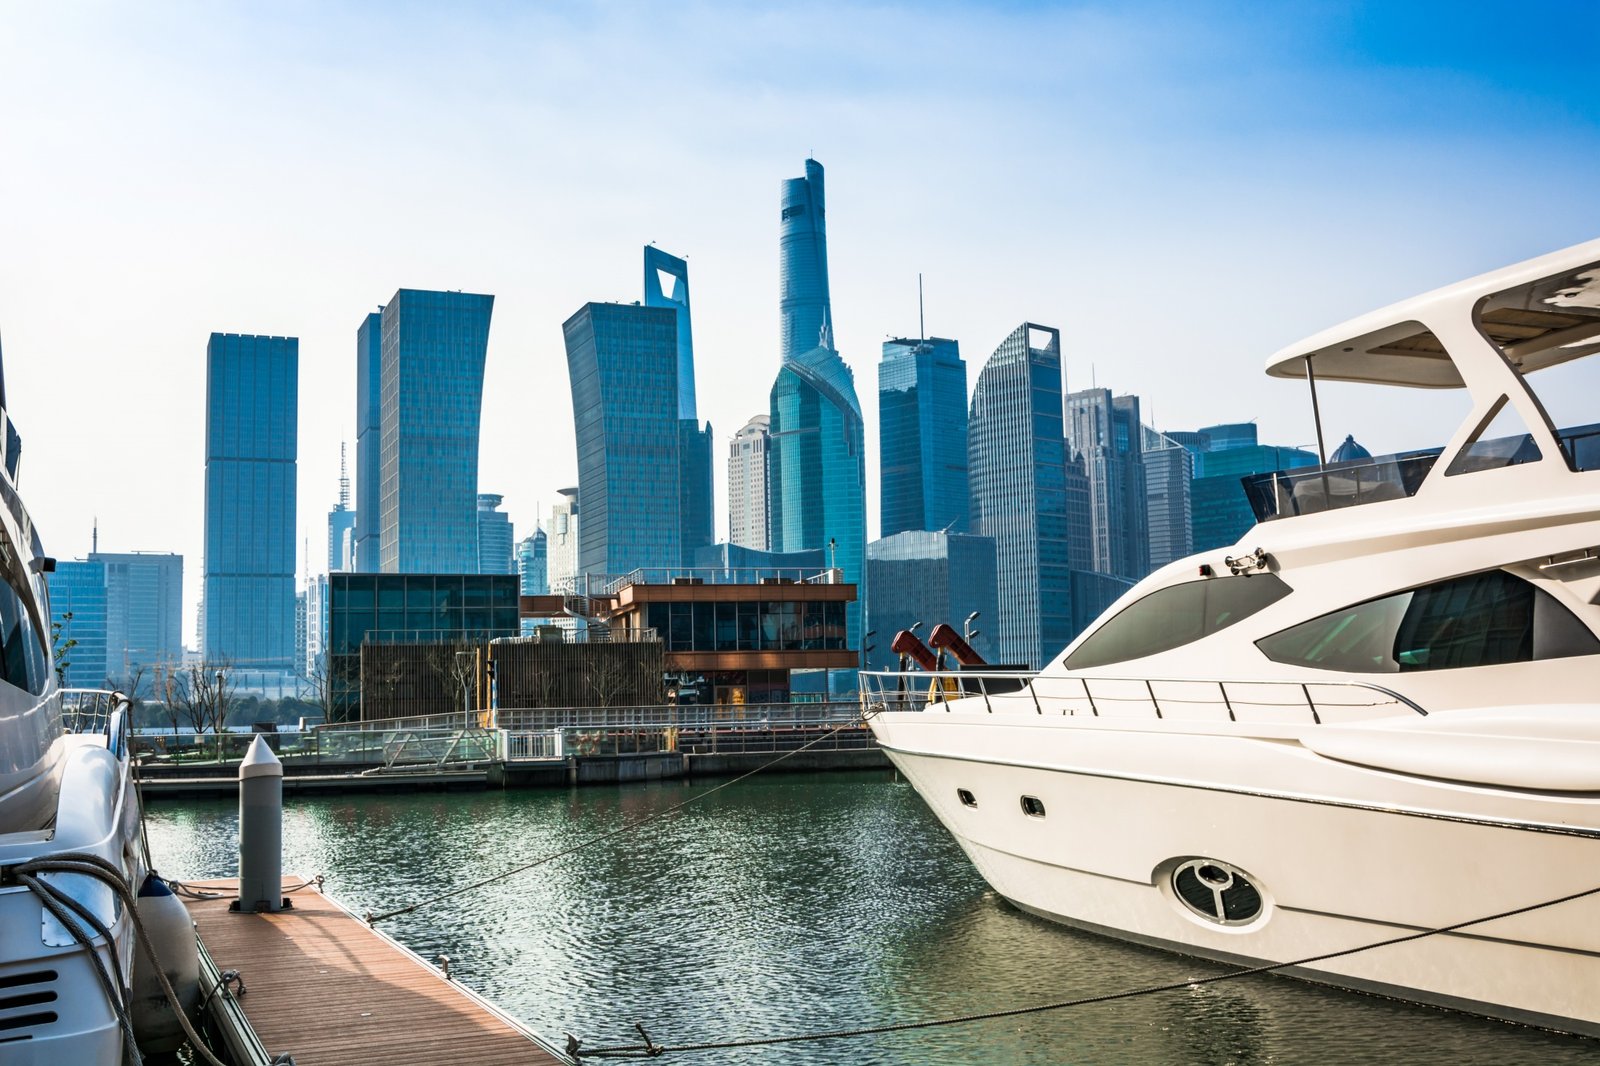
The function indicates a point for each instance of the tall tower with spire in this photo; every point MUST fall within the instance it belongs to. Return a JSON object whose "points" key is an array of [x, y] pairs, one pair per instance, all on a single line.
{"points": [[804, 309], [342, 524]]}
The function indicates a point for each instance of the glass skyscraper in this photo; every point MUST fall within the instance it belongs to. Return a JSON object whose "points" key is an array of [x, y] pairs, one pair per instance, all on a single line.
{"points": [[666, 284], [252, 407], [78, 590], [1108, 434], [804, 309], [922, 436], [1223, 456], [622, 360], [434, 347], [816, 459], [930, 577], [1017, 460], [1168, 478], [144, 612], [494, 536], [369, 443], [817, 468]]}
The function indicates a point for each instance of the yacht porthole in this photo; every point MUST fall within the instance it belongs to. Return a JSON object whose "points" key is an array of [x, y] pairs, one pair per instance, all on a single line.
{"points": [[967, 798], [1217, 892], [1033, 806]]}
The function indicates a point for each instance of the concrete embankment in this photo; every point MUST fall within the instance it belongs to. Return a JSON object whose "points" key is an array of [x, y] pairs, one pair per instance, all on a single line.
{"points": [[573, 770]]}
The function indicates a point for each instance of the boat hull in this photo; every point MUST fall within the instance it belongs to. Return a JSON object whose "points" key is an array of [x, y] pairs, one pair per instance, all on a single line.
{"points": [[1333, 874]]}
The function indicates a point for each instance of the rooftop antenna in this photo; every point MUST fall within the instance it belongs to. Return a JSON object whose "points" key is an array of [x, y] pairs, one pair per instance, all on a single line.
{"points": [[94, 537], [922, 326]]}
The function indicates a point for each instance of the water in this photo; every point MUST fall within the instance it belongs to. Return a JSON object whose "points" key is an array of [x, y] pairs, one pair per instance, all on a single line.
{"points": [[793, 904]]}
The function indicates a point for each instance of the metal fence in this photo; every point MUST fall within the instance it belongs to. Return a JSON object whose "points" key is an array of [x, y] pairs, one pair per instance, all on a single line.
{"points": [[1256, 702], [341, 750], [683, 716]]}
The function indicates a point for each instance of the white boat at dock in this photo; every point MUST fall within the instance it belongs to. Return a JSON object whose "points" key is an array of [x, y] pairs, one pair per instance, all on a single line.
{"points": [[1377, 715]]}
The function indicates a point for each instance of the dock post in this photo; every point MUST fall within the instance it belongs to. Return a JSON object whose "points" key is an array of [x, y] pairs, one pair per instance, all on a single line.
{"points": [[260, 830]]}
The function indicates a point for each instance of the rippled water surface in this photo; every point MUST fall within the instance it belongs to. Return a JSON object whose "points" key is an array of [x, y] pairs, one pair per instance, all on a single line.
{"points": [[793, 904]]}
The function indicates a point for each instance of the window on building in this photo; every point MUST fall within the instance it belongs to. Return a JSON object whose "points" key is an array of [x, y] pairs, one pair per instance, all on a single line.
{"points": [[1176, 615], [1486, 619]]}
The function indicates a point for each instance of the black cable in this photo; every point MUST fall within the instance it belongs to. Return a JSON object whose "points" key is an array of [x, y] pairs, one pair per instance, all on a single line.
{"points": [[608, 835], [650, 1049]]}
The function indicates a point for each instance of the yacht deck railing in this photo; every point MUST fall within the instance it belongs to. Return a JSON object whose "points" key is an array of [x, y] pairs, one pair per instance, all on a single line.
{"points": [[1188, 699]]}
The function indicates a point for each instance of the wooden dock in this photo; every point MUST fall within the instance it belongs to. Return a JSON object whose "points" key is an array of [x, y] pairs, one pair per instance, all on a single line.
{"points": [[323, 986]]}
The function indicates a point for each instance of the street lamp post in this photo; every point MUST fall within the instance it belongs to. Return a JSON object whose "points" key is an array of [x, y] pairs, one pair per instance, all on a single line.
{"points": [[967, 632]]}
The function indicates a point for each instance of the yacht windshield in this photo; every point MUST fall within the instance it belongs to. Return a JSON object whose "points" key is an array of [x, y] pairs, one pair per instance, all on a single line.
{"points": [[1174, 616], [1549, 331]]}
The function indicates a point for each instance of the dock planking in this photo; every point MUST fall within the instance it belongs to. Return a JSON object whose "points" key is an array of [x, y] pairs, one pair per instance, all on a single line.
{"points": [[326, 988]]}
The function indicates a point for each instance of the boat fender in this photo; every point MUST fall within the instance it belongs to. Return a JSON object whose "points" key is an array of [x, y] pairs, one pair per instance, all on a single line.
{"points": [[171, 932]]}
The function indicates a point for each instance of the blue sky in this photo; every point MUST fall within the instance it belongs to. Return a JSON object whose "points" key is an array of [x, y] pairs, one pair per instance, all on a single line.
{"points": [[1181, 188]]}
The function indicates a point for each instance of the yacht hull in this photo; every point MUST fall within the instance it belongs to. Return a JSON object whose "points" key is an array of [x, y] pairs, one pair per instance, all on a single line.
{"points": [[1336, 866]]}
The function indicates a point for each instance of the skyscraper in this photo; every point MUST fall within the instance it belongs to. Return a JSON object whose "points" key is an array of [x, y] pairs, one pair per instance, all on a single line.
{"points": [[622, 360], [494, 536], [930, 577], [817, 473], [252, 405], [533, 568], [1017, 458], [562, 543], [747, 484], [922, 434], [342, 525], [1107, 433], [804, 309], [144, 612], [1168, 473], [434, 347], [666, 284], [78, 608], [1223, 454], [533, 563], [369, 443]]}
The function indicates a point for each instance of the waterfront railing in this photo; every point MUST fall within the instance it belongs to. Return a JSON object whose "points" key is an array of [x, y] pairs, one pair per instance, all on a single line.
{"points": [[1190, 699]]}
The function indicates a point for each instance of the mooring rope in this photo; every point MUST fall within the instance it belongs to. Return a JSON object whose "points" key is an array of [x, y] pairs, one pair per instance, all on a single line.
{"points": [[608, 835], [650, 1049]]}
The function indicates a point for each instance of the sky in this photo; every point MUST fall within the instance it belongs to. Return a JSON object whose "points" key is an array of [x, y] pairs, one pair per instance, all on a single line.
{"points": [[1181, 188]]}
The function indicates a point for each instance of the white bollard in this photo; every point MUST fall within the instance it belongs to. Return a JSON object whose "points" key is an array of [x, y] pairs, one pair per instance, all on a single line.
{"points": [[260, 830]]}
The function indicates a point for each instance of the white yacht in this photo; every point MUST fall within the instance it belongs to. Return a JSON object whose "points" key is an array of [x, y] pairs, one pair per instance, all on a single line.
{"points": [[1377, 715], [69, 832]]}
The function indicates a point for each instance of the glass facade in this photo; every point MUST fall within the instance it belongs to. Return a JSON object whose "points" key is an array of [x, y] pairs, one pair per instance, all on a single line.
{"points": [[1106, 432], [252, 407], [495, 536], [666, 284], [817, 468], [369, 443], [434, 347], [144, 612], [767, 625], [1220, 511], [79, 589], [922, 436], [1168, 475], [1021, 496], [927, 577], [409, 609], [804, 309], [622, 362]]}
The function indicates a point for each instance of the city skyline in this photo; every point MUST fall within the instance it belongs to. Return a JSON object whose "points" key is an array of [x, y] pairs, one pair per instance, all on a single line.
{"points": [[1237, 189]]}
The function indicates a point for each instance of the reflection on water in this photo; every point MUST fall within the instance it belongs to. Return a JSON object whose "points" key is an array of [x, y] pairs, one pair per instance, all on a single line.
{"points": [[793, 904]]}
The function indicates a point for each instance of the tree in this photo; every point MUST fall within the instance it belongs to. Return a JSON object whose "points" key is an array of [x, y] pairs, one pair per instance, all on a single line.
{"points": [[59, 648], [172, 685], [204, 697], [457, 666], [129, 687]]}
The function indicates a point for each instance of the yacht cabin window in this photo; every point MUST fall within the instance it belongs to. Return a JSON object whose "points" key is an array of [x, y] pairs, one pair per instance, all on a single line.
{"points": [[1174, 616], [22, 657], [1486, 619]]}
